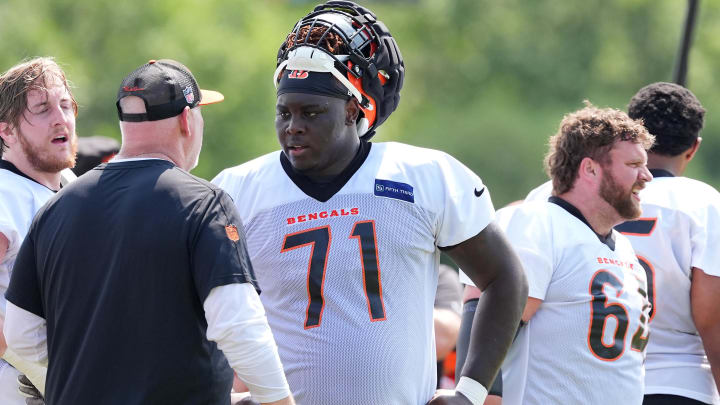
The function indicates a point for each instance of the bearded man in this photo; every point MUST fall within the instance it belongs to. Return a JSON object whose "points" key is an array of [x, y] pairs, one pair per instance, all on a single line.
{"points": [[585, 326], [37, 142]]}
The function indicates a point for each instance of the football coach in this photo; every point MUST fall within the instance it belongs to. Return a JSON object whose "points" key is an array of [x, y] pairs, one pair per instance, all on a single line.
{"points": [[134, 284]]}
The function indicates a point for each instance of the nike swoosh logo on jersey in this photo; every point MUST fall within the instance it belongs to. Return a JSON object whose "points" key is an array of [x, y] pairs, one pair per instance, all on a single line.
{"points": [[479, 193]]}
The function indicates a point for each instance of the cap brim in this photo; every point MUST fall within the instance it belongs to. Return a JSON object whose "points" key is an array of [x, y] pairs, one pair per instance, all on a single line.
{"points": [[210, 97]]}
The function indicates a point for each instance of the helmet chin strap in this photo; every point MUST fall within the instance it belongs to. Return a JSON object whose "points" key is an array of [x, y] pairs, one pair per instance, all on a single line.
{"points": [[315, 60]]}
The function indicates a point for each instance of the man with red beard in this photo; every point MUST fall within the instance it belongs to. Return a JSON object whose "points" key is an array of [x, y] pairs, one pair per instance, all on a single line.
{"points": [[584, 328], [37, 141]]}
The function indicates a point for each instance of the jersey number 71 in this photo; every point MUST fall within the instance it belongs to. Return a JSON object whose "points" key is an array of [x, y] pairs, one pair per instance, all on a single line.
{"points": [[319, 239]]}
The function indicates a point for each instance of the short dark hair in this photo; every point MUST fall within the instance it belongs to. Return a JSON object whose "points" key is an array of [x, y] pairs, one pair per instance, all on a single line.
{"points": [[590, 132], [670, 112], [34, 74]]}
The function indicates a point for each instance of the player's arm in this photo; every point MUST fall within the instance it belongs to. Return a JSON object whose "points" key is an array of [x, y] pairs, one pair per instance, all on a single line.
{"points": [[532, 305], [4, 246], [237, 323], [25, 327], [705, 301], [3, 343], [34, 370], [471, 297], [26, 335], [491, 264]]}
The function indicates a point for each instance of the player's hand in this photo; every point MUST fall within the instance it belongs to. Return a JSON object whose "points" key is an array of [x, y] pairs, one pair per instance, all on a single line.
{"points": [[449, 397], [27, 389]]}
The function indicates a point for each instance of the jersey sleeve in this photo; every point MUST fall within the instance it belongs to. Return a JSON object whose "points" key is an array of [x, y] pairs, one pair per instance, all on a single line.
{"points": [[705, 238], [541, 192], [225, 181], [24, 288], [529, 233], [531, 240], [464, 279], [219, 253], [12, 211], [467, 206]]}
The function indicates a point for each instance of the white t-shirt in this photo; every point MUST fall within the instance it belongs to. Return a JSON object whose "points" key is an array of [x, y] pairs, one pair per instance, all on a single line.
{"points": [[348, 284], [585, 344]]}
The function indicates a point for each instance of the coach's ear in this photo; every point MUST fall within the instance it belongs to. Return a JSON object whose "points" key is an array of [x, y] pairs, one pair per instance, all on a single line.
{"points": [[185, 118]]}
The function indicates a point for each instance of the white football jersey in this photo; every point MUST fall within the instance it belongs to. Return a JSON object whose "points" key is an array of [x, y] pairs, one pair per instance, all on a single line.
{"points": [[20, 199], [585, 343], [679, 230], [541, 192], [348, 284]]}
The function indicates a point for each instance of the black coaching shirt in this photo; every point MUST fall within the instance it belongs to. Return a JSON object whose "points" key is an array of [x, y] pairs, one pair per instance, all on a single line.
{"points": [[119, 263]]}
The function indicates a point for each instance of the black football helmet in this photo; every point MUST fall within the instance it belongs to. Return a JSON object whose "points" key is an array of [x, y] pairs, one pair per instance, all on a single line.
{"points": [[369, 63]]}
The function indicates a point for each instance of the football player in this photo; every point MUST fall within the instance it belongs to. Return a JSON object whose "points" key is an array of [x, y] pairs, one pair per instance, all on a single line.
{"points": [[585, 325], [676, 241], [345, 234], [37, 141]]}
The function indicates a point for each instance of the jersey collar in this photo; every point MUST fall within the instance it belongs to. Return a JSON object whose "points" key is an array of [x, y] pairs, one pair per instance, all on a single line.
{"points": [[324, 191], [608, 239], [661, 173], [4, 164]]}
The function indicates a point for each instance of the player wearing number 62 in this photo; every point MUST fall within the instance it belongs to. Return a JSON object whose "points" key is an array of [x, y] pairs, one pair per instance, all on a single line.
{"points": [[585, 328], [344, 234], [676, 242]]}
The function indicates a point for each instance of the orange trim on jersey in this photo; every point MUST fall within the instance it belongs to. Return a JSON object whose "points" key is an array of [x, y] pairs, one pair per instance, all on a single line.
{"points": [[654, 291], [643, 341], [377, 264], [655, 222], [307, 283], [592, 315]]}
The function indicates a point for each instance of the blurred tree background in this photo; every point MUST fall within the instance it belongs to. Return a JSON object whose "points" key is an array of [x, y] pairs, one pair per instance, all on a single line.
{"points": [[487, 81]]}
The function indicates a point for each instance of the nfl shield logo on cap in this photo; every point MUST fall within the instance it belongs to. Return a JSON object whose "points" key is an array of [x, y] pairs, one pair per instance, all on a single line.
{"points": [[189, 96]]}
